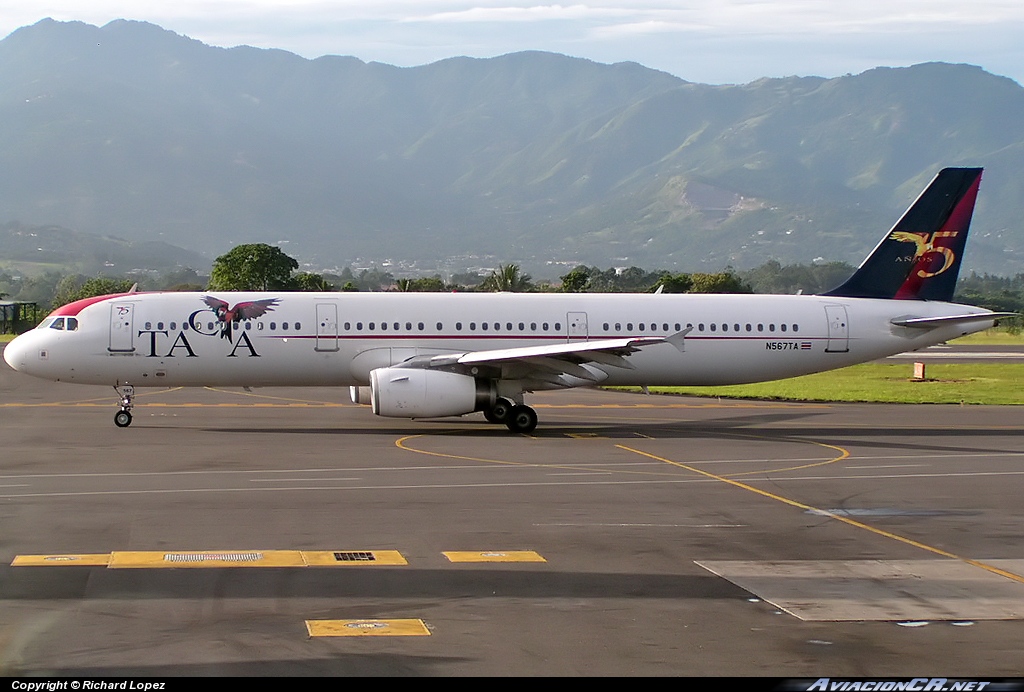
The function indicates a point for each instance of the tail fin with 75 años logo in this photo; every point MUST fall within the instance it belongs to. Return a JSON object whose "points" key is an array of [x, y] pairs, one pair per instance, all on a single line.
{"points": [[919, 259]]}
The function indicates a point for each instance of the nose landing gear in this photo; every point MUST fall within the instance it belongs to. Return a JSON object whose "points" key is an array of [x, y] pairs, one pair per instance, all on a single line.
{"points": [[126, 393]]}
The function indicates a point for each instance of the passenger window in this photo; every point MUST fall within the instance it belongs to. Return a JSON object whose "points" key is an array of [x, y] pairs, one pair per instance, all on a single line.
{"points": [[749, 327], [771, 327], [248, 325], [383, 326], [605, 326], [348, 326], [441, 326], [397, 326], [149, 325], [522, 327], [421, 326], [629, 326], [664, 327], [160, 325], [483, 326], [359, 326], [273, 326], [725, 327], [760, 327], [408, 326], [284, 326], [618, 326], [472, 326], [458, 326], [371, 326], [174, 326], [533, 326], [796, 328], [782, 326], [544, 326], [259, 326], [714, 326], [558, 326], [640, 326]]}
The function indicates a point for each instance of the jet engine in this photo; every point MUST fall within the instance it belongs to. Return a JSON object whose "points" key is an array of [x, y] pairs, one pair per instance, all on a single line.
{"points": [[424, 393]]}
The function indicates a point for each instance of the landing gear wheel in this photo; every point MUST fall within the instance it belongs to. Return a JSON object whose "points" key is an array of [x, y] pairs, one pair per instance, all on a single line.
{"points": [[126, 393], [522, 419], [500, 412]]}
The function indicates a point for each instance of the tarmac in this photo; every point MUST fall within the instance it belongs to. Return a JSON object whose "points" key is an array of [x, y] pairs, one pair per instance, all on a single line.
{"points": [[290, 532]]}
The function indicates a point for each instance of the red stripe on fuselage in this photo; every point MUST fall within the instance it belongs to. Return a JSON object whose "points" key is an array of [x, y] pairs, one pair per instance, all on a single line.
{"points": [[72, 309]]}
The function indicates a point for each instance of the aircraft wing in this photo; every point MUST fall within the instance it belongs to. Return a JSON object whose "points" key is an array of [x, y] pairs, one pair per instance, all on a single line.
{"points": [[933, 322], [562, 365]]}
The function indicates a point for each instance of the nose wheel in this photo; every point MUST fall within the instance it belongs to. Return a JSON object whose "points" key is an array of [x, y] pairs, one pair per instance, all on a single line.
{"points": [[126, 393]]}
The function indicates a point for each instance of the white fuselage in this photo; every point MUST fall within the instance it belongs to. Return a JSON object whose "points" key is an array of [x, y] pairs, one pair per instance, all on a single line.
{"points": [[337, 339]]}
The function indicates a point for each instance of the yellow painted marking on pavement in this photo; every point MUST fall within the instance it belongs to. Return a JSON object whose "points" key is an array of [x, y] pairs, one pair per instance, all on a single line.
{"points": [[82, 560], [206, 558], [367, 628], [149, 559], [586, 436], [837, 517], [843, 454], [493, 556], [335, 558], [272, 398]]}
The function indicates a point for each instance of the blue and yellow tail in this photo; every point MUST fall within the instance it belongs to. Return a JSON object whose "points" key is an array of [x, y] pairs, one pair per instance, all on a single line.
{"points": [[919, 259]]}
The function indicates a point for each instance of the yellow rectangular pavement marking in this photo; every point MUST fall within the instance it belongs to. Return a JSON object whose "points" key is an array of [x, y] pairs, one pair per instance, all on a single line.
{"points": [[367, 628], [493, 556], [333, 558], [86, 560], [208, 558]]}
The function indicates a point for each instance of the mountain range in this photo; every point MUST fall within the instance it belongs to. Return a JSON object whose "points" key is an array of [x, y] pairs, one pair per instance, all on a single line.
{"points": [[137, 132]]}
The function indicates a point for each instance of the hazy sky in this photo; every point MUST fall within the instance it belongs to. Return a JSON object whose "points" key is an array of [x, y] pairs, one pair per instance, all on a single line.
{"points": [[713, 41]]}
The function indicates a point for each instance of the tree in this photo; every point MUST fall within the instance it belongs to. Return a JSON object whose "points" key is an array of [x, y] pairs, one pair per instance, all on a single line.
{"points": [[722, 282], [576, 281], [311, 283], [72, 288], [507, 277], [253, 267], [674, 283]]}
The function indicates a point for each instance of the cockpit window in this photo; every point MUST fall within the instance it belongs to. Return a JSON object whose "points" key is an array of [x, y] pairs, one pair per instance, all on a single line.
{"points": [[72, 324], [57, 323]]}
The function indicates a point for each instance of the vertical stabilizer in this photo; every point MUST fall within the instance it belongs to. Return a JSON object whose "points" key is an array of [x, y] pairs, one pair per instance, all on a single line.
{"points": [[919, 259]]}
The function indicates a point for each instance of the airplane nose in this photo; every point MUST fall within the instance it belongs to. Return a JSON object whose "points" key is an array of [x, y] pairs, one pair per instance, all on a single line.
{"points": [[15, 352]]}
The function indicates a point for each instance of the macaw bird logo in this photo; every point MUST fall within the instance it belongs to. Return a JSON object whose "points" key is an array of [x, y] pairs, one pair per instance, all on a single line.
{"points": [[227, 315], [924, 243]]}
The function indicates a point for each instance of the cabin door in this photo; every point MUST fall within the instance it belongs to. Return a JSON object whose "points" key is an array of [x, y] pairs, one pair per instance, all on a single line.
{"points": [[838, 329], [122, 328], [327, 327], [577, 326]]}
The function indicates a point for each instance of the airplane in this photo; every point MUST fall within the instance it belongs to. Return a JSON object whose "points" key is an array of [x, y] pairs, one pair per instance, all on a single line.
{"points": [[427, 355]]}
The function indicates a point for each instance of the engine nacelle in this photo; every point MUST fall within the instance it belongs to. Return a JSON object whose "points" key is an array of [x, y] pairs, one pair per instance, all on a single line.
{"points": [[422, 393]]}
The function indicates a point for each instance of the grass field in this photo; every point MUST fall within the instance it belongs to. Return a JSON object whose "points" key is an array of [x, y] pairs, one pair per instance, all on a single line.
{"points": [[946, 383]]}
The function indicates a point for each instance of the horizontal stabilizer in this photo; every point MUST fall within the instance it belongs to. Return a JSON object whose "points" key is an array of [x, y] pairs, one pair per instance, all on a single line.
{"points": [[933, 322]]}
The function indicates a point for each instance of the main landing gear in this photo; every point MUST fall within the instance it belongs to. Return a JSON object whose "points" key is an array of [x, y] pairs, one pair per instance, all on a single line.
{"points": [[518, 418], [126, 393]]}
